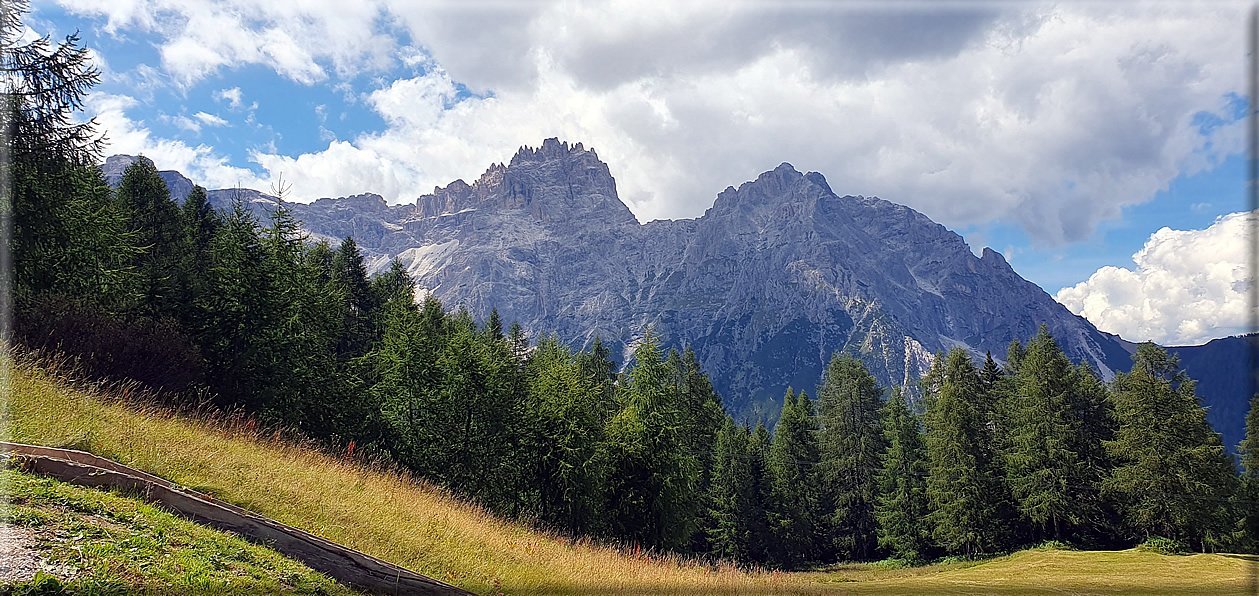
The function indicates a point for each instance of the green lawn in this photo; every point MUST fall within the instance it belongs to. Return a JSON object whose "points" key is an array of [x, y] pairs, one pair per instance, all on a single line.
{"points": [[121, 545]]}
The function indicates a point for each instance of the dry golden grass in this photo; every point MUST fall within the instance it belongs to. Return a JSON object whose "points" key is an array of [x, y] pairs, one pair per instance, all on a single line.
{"points": [[1069, 573], [386, 515]]}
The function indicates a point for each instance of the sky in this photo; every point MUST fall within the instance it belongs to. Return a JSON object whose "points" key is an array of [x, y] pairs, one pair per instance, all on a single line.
{"points": [[1098, 146]]}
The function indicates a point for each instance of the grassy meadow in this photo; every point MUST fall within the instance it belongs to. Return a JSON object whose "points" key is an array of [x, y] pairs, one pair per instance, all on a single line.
{"points": [[122, 545], [411, 523]]}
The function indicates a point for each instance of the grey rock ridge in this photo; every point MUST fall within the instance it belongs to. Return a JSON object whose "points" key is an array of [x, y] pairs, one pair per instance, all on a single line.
{"points": [[776, 276]]}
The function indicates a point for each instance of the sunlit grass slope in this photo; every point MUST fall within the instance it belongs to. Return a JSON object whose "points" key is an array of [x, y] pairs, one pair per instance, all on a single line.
{"points": [[121, 545], [394, 518], [422, 528]]}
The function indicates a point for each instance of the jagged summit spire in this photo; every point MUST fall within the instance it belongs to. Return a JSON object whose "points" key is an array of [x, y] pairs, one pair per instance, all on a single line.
{"points": [[553, 182], [552, 148]]}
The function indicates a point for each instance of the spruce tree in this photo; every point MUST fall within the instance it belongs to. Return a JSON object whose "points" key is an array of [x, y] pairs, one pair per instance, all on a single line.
{"points": [[241, 308], [1043, 466], [902, 506], [360, 307], [1248, 492], [731, 495], [492, 329], [793, 507], [1248, 450], [596, 366], [851, 446], [761, 544], [1171, 474], [653, 477], [961, 484], [198, 222], [703, 413], [1099, 522], [155, 223]]}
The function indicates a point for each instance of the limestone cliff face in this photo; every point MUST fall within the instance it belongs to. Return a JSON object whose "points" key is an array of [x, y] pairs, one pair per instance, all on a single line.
{"points": [[776, 276]]}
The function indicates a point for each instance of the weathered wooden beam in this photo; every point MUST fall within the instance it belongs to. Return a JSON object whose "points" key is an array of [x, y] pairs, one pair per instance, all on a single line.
{"points": [[360, 570]]}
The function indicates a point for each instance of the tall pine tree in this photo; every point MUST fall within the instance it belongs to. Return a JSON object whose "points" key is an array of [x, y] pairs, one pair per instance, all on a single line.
{"points": [[902, 506], [961, 482], [852, 446], [793, 505], [1044, 469], [1171, 474]]}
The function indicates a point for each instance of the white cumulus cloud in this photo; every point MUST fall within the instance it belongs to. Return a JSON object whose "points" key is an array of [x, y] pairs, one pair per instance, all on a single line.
{"points": [[200, 162], [1189, 286], [209, 119], [232, 96], [1052, 116]]}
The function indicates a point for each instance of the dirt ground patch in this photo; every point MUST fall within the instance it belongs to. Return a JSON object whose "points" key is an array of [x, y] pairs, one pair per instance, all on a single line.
{"points": [[20, 558]]}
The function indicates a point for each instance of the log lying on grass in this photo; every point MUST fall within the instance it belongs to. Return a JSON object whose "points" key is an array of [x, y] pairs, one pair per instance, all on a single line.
{"points": [[345, 565]]}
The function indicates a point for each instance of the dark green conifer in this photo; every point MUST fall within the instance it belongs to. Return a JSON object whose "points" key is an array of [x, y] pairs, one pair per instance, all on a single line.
{"points": [[1171, 474], [653, 477], [155, 223], [902, 507], [961, 483], [851, 446], [732, 498], [1248, 491], [1044, 469], [793, 504]]}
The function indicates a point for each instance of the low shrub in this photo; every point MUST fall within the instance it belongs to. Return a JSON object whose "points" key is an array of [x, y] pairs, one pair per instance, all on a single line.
{"points": [[1163, 546]]}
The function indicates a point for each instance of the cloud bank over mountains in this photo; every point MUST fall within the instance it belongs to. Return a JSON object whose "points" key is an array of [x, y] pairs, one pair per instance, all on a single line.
{"points": [[1188, 287], [1051, 116]]}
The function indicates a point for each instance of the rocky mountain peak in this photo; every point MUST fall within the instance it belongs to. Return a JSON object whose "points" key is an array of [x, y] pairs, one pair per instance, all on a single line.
{"points": [[782, 191], [551, 149], [554, 182], [361, 203], [116, 165]]}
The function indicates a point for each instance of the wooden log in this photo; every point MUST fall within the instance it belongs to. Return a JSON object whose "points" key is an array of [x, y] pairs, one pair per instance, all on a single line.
{"points": [[360, 570]]}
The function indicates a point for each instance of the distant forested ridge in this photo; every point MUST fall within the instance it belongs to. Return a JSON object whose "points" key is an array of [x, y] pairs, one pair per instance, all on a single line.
{"points": [[253, 315]]}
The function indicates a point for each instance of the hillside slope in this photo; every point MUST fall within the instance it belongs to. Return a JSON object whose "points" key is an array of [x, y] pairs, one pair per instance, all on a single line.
{"points": [[397, 519], [412, 524]]}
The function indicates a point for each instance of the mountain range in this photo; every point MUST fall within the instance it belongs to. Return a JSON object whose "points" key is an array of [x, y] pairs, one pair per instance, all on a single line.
{"points": [[776, 276]]}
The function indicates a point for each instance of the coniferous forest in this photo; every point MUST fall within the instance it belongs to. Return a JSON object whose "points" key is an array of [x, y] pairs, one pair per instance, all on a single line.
{"points": [[255, 317]]}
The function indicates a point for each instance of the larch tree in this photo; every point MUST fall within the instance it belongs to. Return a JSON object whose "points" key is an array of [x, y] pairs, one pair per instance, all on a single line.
{"points": [[653, 476], [1042, 465]]}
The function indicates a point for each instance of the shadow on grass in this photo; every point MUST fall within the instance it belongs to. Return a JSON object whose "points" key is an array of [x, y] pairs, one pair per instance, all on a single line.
{"points": [[1251, 558]]}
